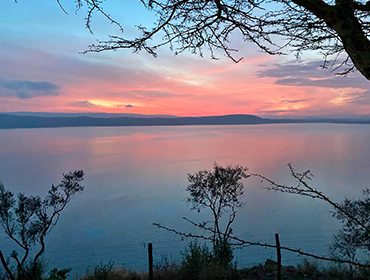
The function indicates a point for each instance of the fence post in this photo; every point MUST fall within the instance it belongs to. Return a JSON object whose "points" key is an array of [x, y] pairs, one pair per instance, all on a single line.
{"points": [[150, 255], [278, 256]]}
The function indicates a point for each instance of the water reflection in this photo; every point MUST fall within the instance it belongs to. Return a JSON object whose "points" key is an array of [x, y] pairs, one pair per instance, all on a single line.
{"points": [[136, 176]]}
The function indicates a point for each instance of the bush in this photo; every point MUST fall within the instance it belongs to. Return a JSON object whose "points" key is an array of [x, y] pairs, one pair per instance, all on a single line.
{"points": [[108, 272], [32, 271], [102, 272], [56, 274], [195, 258], [310, 270], [200, 263], [37, 270], [166, 269], [222, 253]]}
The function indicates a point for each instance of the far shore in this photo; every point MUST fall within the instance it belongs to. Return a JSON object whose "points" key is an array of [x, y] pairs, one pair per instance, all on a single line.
{"points": [[9, 121]]}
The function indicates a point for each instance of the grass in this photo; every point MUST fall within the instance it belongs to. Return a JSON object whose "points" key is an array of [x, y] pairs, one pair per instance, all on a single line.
{"points": [[108, 272], [305, 271], [201, 263]]}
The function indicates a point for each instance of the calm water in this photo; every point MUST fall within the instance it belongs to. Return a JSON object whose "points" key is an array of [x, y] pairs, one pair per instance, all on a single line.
{"points": [[137, 175]]}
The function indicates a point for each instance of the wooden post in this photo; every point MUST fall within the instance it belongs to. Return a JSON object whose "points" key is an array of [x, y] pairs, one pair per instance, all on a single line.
{"points": [[150, 255], [278, 256]]}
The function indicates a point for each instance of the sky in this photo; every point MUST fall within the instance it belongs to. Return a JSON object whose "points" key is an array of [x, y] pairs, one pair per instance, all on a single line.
{"points": [[42, 70]]}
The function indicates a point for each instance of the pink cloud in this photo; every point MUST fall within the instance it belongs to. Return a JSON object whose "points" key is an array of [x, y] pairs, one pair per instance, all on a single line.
{"points": [[181, 86]]}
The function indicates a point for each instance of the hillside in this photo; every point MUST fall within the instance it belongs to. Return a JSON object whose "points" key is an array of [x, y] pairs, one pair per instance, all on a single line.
{"points": [[8, 121]]}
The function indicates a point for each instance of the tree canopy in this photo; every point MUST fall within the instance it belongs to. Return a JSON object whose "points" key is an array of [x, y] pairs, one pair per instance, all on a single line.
{"points": [[27, 220], [275, 26], [220, 191]]}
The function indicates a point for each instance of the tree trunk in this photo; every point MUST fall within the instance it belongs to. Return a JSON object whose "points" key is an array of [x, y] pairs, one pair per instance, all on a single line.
{"points": [[354, 40], [341, 18]]}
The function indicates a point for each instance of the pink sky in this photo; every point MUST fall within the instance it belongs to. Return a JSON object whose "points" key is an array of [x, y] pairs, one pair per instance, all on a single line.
{"points": [[41, 70]]}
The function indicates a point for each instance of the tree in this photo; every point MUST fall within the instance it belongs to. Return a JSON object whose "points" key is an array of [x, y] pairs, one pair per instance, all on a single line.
{"points": [[355, 233], [275, 26], [28, 219], [218, 191], [353, 214]]}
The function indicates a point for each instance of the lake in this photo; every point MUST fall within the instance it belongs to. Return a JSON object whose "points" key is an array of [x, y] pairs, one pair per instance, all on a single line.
{"points": [[137, 175]]}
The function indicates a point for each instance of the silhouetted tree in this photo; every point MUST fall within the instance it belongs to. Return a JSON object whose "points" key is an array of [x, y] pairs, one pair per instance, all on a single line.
{"points": [[218, 191], [353, 214], [28, 219], [275, 26], [355, 233]]}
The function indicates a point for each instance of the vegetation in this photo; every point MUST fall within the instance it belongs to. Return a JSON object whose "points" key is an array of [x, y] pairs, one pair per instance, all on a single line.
{"points": [[353, 214], [208, 188], [27, 220], [219, 191], [200, 263], [197, 264], [108, 272], [305, 271], [355, 233]]}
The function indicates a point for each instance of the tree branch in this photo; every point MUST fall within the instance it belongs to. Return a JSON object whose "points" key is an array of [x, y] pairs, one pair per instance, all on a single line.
{"points": [[310, 192], [241, 242], [5, 265]]}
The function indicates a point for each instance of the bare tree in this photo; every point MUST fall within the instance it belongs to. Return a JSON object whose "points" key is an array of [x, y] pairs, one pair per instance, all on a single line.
{"points": [[28, 219], [275, 26]]}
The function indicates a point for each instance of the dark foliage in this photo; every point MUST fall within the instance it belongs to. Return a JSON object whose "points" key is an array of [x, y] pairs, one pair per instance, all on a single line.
{"points": [[219, 191], [355, 233], [28, 219], [354, 215], [199, 263]]}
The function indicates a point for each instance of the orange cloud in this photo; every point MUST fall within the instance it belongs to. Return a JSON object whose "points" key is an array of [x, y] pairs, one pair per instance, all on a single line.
{"points": [[183, 86]]}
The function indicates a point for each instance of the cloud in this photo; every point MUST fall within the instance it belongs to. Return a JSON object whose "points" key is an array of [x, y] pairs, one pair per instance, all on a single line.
{"points": [[85, 104], [287, 101], [154, 93], [311, 69], [311, 74], [99, 104], [356, 98], [333, 82], [144, 94], [362, 98], [277, 111], [27, 89]]}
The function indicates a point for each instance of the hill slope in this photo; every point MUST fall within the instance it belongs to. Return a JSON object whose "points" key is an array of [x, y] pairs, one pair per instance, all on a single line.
{"points": [[8, 121]]}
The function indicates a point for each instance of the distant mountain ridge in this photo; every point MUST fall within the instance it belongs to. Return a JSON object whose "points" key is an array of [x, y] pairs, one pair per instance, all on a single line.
{"points": [[8, 121], [92, 115]]}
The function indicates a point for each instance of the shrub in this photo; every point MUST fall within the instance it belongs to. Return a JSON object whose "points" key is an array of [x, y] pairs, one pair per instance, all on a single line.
{"points": [[200, 263], [37, 270], [166, 269], [195, 258], [108, 272]]}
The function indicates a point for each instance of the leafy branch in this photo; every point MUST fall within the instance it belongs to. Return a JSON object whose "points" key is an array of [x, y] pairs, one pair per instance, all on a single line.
{"points": [[27, 220]]}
